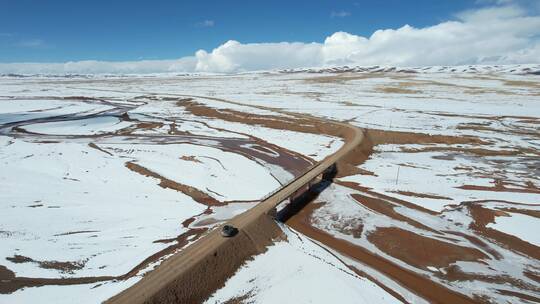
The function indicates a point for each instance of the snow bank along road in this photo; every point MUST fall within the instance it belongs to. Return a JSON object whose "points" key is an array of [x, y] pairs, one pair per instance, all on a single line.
{"points": [[197, 271]]}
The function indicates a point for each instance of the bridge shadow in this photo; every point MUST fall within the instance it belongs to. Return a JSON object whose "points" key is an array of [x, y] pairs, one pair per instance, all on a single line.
{"points": [[307, 197]]}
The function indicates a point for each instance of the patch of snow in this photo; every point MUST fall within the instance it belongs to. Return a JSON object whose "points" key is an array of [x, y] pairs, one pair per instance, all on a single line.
{"points": [[89, 126], [522, 226], [299, 271]]}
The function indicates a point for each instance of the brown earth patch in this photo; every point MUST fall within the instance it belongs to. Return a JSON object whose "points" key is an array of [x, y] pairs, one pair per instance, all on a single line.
{"points": [[476, 151], [76, 232], [5, 274], [483, 216], [533, 213], [387, 208], [190, 158], [64, 267], [294, 162], [420, 251], [94, 146], [500, 187], [9, 282], [149, 125], [484, 127], [478, 242], [424, 287], [519, 295], [282, 121], [422, 195], [397, 90], [455, 273], [535, 276], [379, 137], [190, 220], [243, 299], [196, 194], [344, 77], [523, 83], [387, 198], [530, 120]]}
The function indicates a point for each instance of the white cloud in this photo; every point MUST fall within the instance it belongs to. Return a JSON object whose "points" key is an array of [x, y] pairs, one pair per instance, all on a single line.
{"points": [[31, 43], [235, 56], [498, 2], [492, 35], [339, 14], [206, 23], [101, 67]]}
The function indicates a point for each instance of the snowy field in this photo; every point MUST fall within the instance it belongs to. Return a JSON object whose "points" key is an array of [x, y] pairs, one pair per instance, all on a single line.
{"points": [[102, 178]]}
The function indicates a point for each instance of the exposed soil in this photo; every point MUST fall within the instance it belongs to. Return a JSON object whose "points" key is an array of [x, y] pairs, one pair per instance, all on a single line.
{"points": [[384, 207], [289, 121], [190, 158], [64, 267], [196, 194], [397, 90], [408, 247], [191, 282], [243, 299], [478, 242], [521, 83], [411, 248], [499, 187], [533, 213], [211, 262], [422, 195], [386, 198], [10, 283], [420, 251], [254, 149], [344, 77], [483, 216], [76, 232], [520, 295], [456, 273], [93, 145], [424, 287]]}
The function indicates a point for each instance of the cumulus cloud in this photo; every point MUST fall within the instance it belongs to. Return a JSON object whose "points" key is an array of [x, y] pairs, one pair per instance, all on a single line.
{"points": [[235, 56], [492, 35]]}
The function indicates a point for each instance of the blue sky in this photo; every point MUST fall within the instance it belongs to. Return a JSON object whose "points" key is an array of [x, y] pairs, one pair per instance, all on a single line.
{"points": [[65, 30]]}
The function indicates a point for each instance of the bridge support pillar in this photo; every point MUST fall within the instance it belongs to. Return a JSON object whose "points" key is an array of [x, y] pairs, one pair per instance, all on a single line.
{"points": [[330, 172]]}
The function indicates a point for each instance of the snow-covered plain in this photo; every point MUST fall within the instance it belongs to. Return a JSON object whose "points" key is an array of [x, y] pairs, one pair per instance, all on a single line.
{"points": [[299, 264], [453, 144], [74, 209]]}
